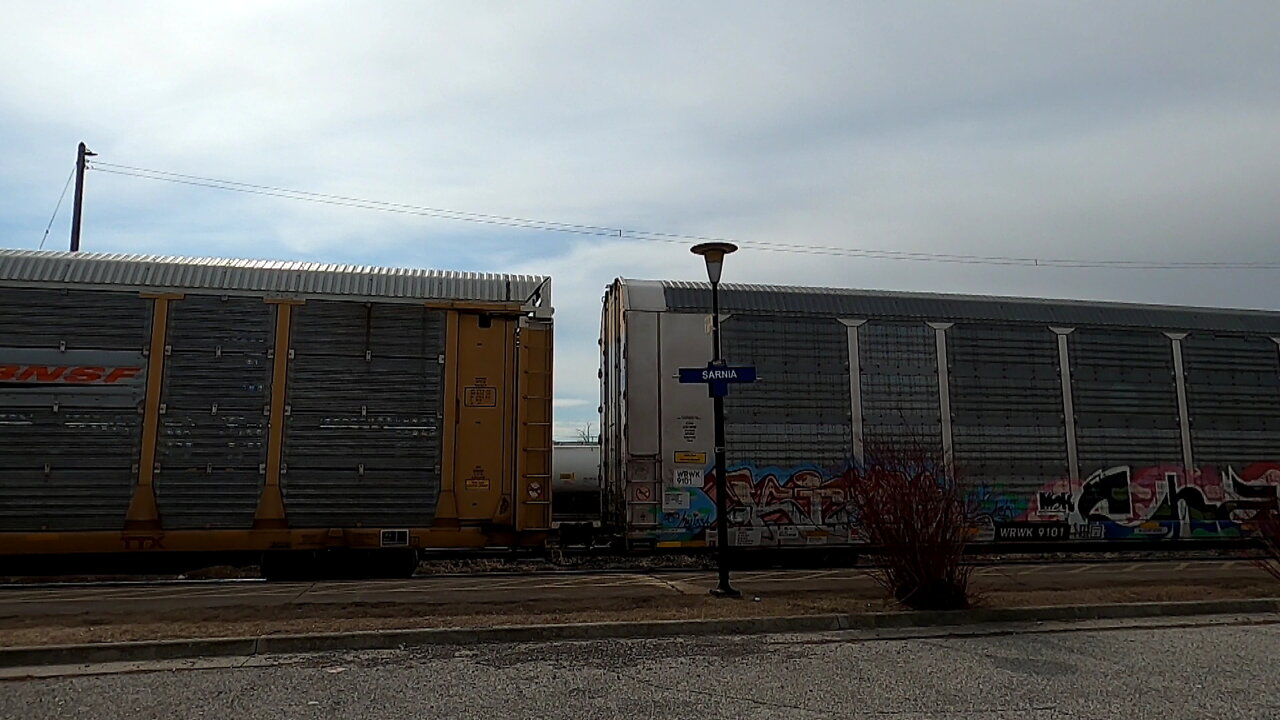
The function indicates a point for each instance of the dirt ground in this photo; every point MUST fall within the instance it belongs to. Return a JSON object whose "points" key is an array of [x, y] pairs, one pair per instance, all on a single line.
{"points": [[581, 562], [318, 618]]}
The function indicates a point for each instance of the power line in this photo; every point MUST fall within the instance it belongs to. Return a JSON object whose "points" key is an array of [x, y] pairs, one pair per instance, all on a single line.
{"points": [[57, 207], [341, 201], [231, 184], [662, 237]]}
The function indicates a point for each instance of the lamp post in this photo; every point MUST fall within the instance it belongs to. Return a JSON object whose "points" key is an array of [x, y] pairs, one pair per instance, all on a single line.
{"points": [[713, 253]]}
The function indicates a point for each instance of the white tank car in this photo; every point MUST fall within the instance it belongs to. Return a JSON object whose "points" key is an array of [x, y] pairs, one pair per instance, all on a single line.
{"points": [[575, 487]]}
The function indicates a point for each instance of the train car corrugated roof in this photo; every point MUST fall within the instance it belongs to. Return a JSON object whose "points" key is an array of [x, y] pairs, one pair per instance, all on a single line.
{"points": [[305, 279], [854, 303]]}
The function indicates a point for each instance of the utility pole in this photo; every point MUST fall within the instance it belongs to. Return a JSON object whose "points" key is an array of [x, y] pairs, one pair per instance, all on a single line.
{"points": [[78, 203]]}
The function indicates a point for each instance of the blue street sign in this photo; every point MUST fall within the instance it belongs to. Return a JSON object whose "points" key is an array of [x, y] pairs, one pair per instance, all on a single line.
{"points": [[718, 377], [718, 374]]}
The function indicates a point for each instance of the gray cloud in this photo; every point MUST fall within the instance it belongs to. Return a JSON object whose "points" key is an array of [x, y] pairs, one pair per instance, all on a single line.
{"points": [[1051, 129]]}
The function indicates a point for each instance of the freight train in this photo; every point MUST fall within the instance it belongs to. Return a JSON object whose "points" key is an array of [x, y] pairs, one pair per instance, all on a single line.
{"points": [[154, 404], [1068, 421], [301, 412]]}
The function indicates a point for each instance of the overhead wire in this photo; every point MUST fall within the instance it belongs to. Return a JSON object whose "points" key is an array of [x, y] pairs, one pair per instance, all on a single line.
{"points": [[288, 192], [57, 207], [618, 233]]}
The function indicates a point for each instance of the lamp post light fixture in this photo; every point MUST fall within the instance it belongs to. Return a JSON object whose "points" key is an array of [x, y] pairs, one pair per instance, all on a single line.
{"points": [[713, 253]]}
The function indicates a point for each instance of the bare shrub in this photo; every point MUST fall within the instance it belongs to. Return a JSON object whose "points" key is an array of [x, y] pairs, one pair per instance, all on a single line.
{"points": [[1266, 525], [911, 508]]}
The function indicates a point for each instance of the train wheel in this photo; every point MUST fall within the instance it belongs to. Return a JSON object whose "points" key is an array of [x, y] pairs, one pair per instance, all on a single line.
{"points": [[351, 564], [399, 563], [338, 564], [290, 565]]}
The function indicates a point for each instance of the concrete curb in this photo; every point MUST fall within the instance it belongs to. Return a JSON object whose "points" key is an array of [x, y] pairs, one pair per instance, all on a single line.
{"points": [[391, 639]]}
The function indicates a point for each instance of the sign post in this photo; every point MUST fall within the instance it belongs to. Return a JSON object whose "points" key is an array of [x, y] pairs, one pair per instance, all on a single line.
{"points": [[717, 376]]}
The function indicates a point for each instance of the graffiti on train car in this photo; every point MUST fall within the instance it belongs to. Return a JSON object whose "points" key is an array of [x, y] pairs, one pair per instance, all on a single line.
{"points": [[809, 505], [1162, 501], [770, 505]]}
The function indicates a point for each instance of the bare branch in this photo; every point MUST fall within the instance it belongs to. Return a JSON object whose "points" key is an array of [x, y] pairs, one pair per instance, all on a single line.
{"points": [[911, 508]]}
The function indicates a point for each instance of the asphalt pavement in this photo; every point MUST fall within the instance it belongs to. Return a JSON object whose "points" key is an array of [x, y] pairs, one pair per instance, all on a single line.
{"points": [[1170, 669]]}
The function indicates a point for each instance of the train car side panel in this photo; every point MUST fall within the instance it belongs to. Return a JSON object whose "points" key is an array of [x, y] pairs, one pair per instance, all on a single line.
{"points": [[640, 421], [73, 379], [1233, 389], [792, 430], [482, 452], [1008, 425], [362, 423], [688, 440], [212, 447], [612, 409], [270, 511]]}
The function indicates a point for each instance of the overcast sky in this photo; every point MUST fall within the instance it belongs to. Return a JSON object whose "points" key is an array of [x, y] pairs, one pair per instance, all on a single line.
{"points": [[1090, 130]]}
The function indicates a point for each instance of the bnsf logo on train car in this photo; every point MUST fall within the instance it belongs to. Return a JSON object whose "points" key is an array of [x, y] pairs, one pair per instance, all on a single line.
{"points": [[68, 374]]}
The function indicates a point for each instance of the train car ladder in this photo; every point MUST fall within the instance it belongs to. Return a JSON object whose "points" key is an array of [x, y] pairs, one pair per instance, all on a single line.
{"points": [[533, 471]]}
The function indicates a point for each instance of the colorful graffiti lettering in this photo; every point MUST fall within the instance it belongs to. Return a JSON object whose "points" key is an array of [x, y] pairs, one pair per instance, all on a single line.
{"points": [[809, 505], [1160, 501], [772, 505], [986, 504]]}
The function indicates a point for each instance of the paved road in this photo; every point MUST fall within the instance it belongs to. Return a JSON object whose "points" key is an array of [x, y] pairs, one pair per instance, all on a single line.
{"points": [[1172, 670], [426, 591]]}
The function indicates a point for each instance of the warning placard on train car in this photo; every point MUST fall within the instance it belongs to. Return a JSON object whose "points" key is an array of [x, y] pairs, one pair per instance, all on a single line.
{"points": [[692, 458], [1008, 532], [480, 396], [478, 480], [675, 499]]}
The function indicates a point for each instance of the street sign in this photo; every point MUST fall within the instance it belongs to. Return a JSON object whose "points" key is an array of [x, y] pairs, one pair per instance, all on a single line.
{"points": [[718, 377], [722, 373]]}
